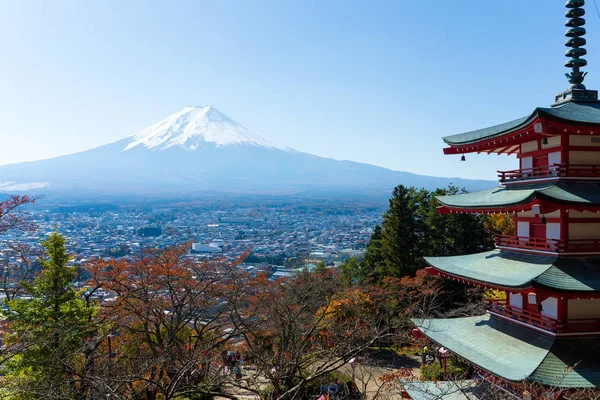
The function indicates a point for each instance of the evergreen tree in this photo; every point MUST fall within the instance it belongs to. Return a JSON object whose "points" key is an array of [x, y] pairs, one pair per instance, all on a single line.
{"points": [[373, 259], [320, 267], [404, 233], [47, 331], [350, 270]]}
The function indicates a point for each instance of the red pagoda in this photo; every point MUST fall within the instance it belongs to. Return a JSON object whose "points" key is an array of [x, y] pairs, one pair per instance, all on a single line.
{"points": [[550, 269]]}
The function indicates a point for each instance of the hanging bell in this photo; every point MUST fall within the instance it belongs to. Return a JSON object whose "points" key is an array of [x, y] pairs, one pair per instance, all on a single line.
{"points": [[462, 158]]}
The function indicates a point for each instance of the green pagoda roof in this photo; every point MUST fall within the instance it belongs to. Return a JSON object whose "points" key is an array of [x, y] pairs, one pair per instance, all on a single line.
{"points": [[507, 350], [572, 275], [516, 353], [581, 353], [500, 268], [582, 113], [568, 192], [442, 390], [521, 270]]}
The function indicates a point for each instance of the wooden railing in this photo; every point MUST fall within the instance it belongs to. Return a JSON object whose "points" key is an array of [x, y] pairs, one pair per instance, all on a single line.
{"points": [[573, 325], [549, 245], [525, 242], [528, 317], [554, 170]]}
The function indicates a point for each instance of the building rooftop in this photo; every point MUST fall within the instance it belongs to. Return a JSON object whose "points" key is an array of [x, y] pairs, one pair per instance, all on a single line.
{"points": [[516, 353], [585, 113], [521, 270], [444, 390], [506, 197]]}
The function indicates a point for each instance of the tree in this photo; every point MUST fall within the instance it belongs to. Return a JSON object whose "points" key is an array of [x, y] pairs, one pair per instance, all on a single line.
{"points": [[169, 323], [46, 331], [404, 233], [11, 213], [499, 224], [350, 270], [320, 266], [299, 331], [373, 260]]}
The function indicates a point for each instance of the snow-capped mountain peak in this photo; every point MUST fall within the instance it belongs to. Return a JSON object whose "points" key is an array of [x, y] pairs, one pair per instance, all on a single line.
{"points": [[194, 127]]}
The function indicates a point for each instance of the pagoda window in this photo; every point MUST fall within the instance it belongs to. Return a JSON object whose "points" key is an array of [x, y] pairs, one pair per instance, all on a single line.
{"points": [[554, 158], [515, 300], [526, 163], [553, 230], [550, 307], [583, 308], [523, 229]]}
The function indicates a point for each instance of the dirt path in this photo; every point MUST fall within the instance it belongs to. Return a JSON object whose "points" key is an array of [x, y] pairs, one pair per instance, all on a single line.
{"points": [[366, 374]]}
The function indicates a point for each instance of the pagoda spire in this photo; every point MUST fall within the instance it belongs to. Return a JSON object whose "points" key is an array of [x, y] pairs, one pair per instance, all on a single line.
{"points": [[575, 41]]}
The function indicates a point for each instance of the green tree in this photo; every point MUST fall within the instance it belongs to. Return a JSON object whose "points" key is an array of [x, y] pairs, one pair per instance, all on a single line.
{"points": [[47, 332], [320, 267], [373, 258], [350, 270], [404, 233]]}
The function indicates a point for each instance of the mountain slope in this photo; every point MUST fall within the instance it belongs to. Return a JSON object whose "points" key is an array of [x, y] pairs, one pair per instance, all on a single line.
{"points": [[199, 149]]}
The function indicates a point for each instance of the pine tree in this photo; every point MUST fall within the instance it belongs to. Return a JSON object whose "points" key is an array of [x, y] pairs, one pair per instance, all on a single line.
{"points": [[404, 233], [47, 330], [372, 261]]}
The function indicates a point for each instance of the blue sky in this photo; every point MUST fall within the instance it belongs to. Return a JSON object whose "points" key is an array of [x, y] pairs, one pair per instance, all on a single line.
{"points": [[371, 81]]}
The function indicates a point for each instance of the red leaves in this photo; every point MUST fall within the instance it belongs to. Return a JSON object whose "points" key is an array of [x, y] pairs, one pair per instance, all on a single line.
{"points": [[11, 217]]}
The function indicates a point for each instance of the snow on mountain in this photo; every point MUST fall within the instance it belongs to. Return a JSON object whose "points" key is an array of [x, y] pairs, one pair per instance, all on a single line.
{"points": [[199, 150], [194, 127]]}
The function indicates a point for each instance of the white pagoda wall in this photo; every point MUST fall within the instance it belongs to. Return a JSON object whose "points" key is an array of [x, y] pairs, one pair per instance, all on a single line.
{"points": [[515, 300], [550, 307]]}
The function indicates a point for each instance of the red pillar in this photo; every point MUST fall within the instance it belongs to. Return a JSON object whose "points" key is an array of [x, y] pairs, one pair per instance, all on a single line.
{"points": [[562, 311]]}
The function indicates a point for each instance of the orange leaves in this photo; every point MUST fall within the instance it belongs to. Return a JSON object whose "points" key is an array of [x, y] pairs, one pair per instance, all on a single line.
{"points": [[343, 306], [502, 224]]}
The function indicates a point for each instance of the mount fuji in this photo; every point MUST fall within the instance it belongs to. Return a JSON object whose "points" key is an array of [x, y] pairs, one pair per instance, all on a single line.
{"points": [[200, 150]]}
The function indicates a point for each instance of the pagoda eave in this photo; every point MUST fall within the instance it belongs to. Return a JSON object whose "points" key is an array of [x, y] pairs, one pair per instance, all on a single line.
{"points": [[571, 117], [474, 282], [550, 196], [518, 271], [516, 353]]}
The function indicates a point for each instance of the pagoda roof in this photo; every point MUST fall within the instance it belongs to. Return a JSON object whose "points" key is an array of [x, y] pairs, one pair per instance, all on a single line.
{"points": [[441, 390], [515, 353], [586, 113], [507, 350], [506, 269], [506, 197], [498, 268], [581, 353], [571, 275]]}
